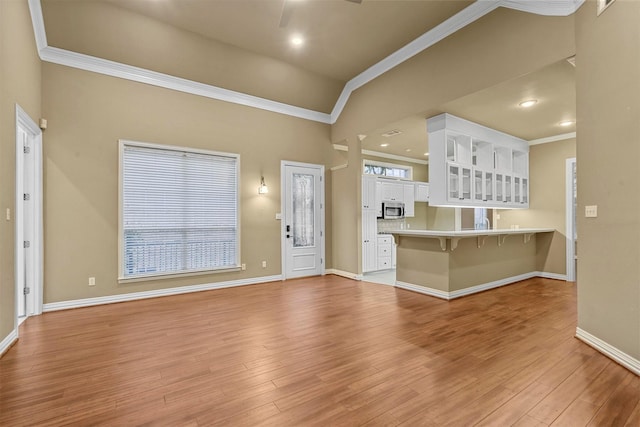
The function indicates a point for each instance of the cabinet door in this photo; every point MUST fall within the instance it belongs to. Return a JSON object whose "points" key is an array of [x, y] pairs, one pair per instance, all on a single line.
{"points": [[368, 192], [453, 182], [499, 187], [516, 189], [422, 192], [378, 199], [392, 192], [478, 185], [507, 189], [525, 191], [409, 198], [488, 186], [369, 241]]}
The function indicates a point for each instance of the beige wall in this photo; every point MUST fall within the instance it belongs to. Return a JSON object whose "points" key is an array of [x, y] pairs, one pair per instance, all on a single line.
{"points": [[85, 27], [547, 204], [608, 153], [88, 113], [501, 45], [19, 83], [346, 211]]}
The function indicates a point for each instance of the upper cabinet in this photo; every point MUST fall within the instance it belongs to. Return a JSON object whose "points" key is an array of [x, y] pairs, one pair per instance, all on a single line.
{"points": [[472, 165]]}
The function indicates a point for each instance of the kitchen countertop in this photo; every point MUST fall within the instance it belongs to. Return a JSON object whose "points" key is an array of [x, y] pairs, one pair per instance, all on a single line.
{"points": [[455, 236]]}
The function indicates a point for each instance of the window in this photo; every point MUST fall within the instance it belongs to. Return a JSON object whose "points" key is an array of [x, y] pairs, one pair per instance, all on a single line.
{"points": [[178, 210], [371, 167]]}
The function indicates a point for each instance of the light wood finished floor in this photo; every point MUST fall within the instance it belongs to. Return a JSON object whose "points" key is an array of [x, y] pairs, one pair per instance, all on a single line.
{"points": [[322, 351]]}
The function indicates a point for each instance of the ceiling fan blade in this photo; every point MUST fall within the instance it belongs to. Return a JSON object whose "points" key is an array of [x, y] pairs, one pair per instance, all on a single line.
{"points": [[287, 11]]}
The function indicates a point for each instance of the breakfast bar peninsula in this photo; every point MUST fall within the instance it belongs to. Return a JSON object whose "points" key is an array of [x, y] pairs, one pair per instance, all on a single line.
{"points": [[451, 264]]}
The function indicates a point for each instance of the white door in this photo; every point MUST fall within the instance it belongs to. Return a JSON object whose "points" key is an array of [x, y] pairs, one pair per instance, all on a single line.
{"points": [[28, 217], [303, 220]]}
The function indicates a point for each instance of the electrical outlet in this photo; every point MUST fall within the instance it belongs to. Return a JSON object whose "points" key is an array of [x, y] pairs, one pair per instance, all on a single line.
{"points": [[264, 264], [92, 281], [243, 267]]}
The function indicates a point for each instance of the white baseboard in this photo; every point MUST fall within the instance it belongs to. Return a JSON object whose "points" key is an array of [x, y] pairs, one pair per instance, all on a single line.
{"points": [[610, 351], [423, 290], [87, 302], [342, 273], [8, 341], [478, 288], [554, 276]]}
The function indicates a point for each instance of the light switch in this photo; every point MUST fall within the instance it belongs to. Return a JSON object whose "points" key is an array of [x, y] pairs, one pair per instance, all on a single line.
{"points": [[591, 211], [279, 216]]}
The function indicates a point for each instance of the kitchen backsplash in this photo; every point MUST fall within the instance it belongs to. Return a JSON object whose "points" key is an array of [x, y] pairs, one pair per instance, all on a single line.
{"points": [[386, 225]]}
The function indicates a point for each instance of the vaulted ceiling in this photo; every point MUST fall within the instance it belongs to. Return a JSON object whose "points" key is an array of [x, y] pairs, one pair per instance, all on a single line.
{"points": [[244, 46]]}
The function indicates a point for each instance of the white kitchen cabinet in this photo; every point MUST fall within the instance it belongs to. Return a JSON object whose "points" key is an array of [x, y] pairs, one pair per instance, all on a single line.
{"points": [[421, 191], [472, 165], [392, 191], [369, 192], [409, 194], [369, 240], [385, 252]]}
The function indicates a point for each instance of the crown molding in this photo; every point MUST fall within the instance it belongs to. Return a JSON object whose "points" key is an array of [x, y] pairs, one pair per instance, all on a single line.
{"points": [[141, 75], [553, 138], [544, 7], [395, 157], [463, 18]]}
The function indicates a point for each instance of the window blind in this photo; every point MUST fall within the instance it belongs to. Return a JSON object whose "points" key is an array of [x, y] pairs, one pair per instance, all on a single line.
{"points": [[179, 211]]}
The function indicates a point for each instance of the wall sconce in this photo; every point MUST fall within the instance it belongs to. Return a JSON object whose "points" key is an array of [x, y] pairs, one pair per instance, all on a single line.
{"points": [[263, 189]]}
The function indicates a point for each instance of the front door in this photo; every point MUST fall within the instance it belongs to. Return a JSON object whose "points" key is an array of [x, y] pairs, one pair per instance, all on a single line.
{"points": [[303, 220]]}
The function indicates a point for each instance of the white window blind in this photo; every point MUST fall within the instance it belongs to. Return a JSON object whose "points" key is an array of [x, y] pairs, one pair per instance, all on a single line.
{"points": [[179, 210]]}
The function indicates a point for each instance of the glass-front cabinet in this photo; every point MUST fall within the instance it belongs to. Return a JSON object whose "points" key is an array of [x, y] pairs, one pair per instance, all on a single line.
{"points": [[472, 165]]}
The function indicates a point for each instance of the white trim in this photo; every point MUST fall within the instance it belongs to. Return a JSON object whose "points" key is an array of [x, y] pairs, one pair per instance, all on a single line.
{"points": [[553, 138], [37, 20], [569, 219], [395, 157], [544, 7], [342, 273], [475, 289], [553, 276], [8, 341], [340, 147], [141, 75], [110, 299], [428, 39], [23, 120], [423, 290], [610, 351]]}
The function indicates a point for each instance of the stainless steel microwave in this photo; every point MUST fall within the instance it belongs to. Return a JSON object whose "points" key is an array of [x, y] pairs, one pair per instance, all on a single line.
{"points": [[392, 210]]}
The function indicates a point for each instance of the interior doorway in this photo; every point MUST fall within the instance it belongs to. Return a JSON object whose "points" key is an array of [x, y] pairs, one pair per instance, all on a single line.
{"points": [[571, 220], [302, 219], [28, 217]]}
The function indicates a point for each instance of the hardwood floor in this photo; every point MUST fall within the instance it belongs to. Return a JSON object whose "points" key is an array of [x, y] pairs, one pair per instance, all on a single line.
{"points": [[320, 351]]}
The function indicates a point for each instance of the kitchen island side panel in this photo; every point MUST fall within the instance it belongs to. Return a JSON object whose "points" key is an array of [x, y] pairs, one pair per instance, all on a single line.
{"points": [[422, 262], [470, 265]]}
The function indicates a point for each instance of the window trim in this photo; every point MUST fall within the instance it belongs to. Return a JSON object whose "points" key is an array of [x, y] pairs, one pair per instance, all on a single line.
{"points": [[366, 162], [122, 143]]}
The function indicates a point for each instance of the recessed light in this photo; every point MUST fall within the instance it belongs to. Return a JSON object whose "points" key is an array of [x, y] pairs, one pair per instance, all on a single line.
{"points": [[528, 103], [566, 123], [408, 150], [384, 145], [297, 40]]}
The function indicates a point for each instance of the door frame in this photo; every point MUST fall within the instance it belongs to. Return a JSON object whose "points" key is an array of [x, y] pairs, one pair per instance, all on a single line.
{"points": [[25, 122], [283, 165], [571, 217]]}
